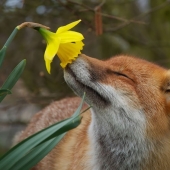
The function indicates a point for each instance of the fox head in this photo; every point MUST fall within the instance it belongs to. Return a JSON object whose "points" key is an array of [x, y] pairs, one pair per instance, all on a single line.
{"points": [[130, 103], [122, 82]]}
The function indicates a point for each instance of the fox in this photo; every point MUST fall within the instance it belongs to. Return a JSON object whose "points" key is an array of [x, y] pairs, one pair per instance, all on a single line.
{"points": [[128, 125]]}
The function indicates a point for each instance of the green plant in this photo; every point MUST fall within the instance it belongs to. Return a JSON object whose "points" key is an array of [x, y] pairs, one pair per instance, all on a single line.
{"points": [[30, 151], [17, 71], [15, 74]]}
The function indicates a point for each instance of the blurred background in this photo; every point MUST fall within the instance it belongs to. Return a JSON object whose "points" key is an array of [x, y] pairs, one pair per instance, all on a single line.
{"points": [[110, 27]]}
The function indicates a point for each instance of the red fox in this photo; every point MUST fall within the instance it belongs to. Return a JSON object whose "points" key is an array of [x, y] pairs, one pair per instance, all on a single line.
{"points": [[128, 126]]}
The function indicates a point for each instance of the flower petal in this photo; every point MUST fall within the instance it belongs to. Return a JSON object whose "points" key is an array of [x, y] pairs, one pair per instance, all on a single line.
{"points": [[70, 36], [68, 52], [48, 65], [50, 52], [52, 49], [67, 27]]}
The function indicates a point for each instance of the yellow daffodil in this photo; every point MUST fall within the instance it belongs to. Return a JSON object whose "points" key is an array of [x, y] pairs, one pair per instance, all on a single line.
{"points": [[65, 43]]}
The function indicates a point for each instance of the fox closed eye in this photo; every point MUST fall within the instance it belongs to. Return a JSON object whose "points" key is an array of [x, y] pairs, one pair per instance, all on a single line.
{"points": [[121, 74], [167, 91]]}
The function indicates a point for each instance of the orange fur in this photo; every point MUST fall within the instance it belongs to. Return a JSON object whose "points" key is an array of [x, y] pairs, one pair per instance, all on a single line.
{"points": [[145, 88]]}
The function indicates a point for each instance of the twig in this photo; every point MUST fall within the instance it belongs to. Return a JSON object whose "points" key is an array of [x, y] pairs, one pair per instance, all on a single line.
{"points": [[85, 6], [140, 16], [100, 5], [68, 8], [122, 19], [106, 15], [153, 9]]}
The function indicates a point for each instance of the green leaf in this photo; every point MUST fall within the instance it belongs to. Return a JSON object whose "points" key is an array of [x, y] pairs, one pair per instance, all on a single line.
{"points": [[24, 147], [21, 149], [13, 77], [78, 111], [9, 40], [36, 154], [2, 54], [31, 150], [11, 37], [4, 92]]}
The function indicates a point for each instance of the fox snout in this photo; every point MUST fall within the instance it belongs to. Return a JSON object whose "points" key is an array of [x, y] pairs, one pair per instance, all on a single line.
{"points": [[82, 77]]}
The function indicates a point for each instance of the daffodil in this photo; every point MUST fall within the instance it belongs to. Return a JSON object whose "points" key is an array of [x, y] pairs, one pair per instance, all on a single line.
{"points": [[65, 43]]}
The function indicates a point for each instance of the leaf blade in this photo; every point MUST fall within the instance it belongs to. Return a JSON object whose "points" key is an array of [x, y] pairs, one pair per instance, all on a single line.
{"points": [[4, 92], [2, 55], [13, 77], [34, 156]]}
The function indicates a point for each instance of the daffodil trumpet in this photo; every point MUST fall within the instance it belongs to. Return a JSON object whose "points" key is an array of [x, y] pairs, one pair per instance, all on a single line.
{"points": [[65, 43]]}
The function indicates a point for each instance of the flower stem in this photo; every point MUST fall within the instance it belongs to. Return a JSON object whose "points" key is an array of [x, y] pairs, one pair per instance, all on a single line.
{"points": [[23, 25], [31, 25], [11, 37]]}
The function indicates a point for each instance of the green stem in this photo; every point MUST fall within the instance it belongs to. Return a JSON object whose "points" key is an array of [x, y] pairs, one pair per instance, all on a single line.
{"points": [[23, 25], [11, 37]]}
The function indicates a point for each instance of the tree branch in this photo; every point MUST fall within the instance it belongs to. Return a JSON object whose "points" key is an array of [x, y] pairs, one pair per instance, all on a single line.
{"points": [[141, 16], [106, 15]]}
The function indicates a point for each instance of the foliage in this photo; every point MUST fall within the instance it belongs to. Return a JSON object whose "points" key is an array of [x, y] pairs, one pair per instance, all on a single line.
{"points": [[30, 151], [15, 74]]}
